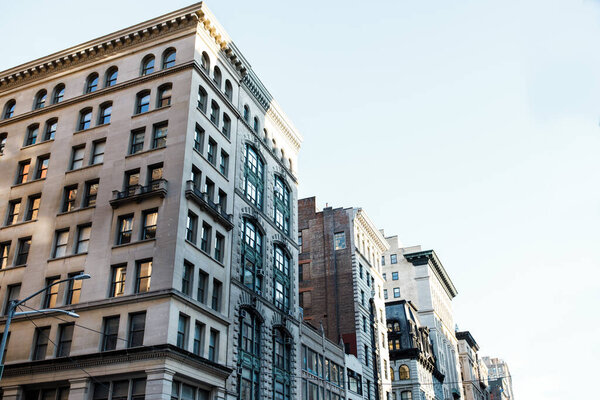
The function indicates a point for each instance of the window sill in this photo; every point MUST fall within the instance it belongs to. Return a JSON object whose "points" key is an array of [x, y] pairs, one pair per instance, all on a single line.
{"points": [[151, 111], [65, 257], [13, 267], [205, 253], [37, 144], [211, 164], [82, 168], [18, 223], [27, 183], [75, 211], [97, 127], [118, 246], [145, 152]]}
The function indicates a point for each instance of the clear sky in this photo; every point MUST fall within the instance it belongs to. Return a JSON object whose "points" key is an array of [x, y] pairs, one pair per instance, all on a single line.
{"points": [[470, 127]]}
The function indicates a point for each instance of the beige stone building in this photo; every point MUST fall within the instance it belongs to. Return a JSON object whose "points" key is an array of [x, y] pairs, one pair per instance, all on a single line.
{"points": [[153, 159], [473, 374]]}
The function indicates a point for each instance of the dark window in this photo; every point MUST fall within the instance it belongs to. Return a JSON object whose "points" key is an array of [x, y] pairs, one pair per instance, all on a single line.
{"points": [[216, 295], [65, 337], [142, 103], [394, 276], [32, 134], [186, 278], [252, 256], [125, 225], [196, 177], [253, 177], [137, 141], [215, 110], [282, 205], [14, 207], [40, 100], [4, 252], [198, 338], [205, 239], [132, 181], [222, 201], [209, 189], [83, 239], [61, 239], [117, 282], [202, 284], [211, 152], [110, 333], [50, 130], [393, 259], [148, 65], [14, 292], [199, 138], [9, 109], [42, 167], [23, 171], [85, 119], [74, 289], [137, 325], [219, 247], [58, 94], [226, 125], [191, 227], [250, 347], [256, 125], [169, 58], [69, 197], [213, 345], [246, 113], [105, 114], [149, 218], [202, 99], [23, 251], [205, 62], [98, 152], [111, 77], [164, 95], [143, 275], [33, 207], [182, 330], [224, 163], [91, 193], [155, 174], [159, 136], [228, 90], [40, 345], [91, 84], [3, 137], [51, 293], [217, 76]]}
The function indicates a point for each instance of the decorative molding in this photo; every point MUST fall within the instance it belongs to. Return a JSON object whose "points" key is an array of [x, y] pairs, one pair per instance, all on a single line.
{"points": [[429, 257], [365, 223]]}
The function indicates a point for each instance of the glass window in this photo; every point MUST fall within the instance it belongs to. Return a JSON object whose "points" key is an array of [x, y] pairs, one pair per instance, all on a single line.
{"points": [[213, 345], [51, 293], [164, 95], [282, 205], [91, 84], [205, 62], [3, 137], [142, 102], [149, 228], [250, 347], [32, 134], [85, 119], [159, 136], [404, 372], [14, 207], [206, 237], [394, 276], [91, 193], [406, 395], [60, 243], [246, 113], [191, 228], [33, 207], [253, 177], [169, 58], [50, 130], [9, 109], [23, 251], [216, 295], [143, 274], [58, 94], [226, 125], [202, 99], [199, 138], [339, 240], [182, 330], [40, 100], [215, 111], [98, 152], [117, 285], [148, 65], [4, 252], [105, 114], [42, 167], [83, 239], [198, 338], [40, 346], [125, 224], [74, 289], [252, 257], [23, 172], [219, 247], [111, 76], [228, 90], [256, 125], [393, 259], [137, 141], [137, 326], [217, 77], [202, 286], [110, 333], [186, 278], [65, 337], [396, 292]]}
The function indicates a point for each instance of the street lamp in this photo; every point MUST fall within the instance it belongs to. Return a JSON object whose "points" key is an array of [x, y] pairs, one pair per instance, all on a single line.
{"points": [[13, 304]]}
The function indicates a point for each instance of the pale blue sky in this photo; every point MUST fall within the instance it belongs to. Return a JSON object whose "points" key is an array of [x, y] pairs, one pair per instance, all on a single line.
{"points": [[470, 127]]}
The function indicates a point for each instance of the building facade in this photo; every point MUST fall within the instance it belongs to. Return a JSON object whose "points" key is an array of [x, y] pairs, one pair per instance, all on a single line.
{"points": [[499, 377], [323, 366], [341, 287], [474, 380], [419, 277], [153, 159]]}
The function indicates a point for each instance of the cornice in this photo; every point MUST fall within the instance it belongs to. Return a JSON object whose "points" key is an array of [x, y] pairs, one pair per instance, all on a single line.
{"points": [[365, 222], [429, 256]]}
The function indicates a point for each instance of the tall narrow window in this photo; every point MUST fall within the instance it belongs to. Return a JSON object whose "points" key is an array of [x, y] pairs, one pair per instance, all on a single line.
{"points": [[14, 207], [159, 135], [91, 83], [256, 125], [77, 157], [217, 76], [226, 125], [246, 113], [83, 239], [32, 134], [196, 177], [23, 251], [149, 221], [33, 207], [191, 227], [40, 346], [219, 247], [222, 201], [202, 99], [143, 274], [253, 177], [214, 112], [13, 293], [65, 337], [198, 338], [85, 119], [69, 197], [164, 95], [199, 138], [186, 278], [59, 93], [202, 285], [216, 295], [252, 256], [209, 189], [211, 153], [213, 345], [182, 330], [42, 167], [137, 141], [23, 171], [117, 282], [228, 90], [61, 238], [110, 333], [4, 252], [97, 152], [155, 175], [3, 137], [50, 130], [125, 224], [205, 239], [147, 65], [40, 100], [142, 102], [111, 77], [282, 205], [137, 326], [132, 181], [9, 109], [169, 58], [205, 62], [249, 346], [51, 293], [281, 277], [105, 113], [91, 193], [74, 289]]}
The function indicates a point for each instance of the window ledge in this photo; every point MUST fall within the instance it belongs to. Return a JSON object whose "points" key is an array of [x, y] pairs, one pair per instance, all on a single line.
{"points": [[75, 211], [37, 144], [118, 246], [13, 267], [68, 256], [211, 164], [27, 183], [97, 127], [145, 152], [151, 111], [82, 168], [205, 253], [18, 224]]}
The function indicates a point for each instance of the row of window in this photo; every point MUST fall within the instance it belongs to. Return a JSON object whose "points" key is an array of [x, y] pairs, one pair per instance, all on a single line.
{"points": [[183, 334], [91, 83], [191, 232], [396, 291], [312, 362], [203, 287], [200, 145], [394, 276], [217, 76], [312, 391], [215, 112], [393, 259], [403, 372]]}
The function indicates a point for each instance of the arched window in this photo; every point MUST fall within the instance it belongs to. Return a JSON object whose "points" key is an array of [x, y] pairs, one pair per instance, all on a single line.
{"points": [[247, 113], [58, 94], [228, 90], [9, 109], [226, 125], [205, 62], [32, 134], [406, 395], [111, 77], [392, 377], [404, 372], [40, 99], [281, 279], [142, 102], [168, 58], [217, 77], [50, 129], [282, 364], [147, 65], [91, 83], [105, 113], [85, 119], [249, 356], [252, 256], [202, 99], [396, 327], [253, 177], [215, 110], [164, 95], [256, 125], [282, 205], [290, 164]]}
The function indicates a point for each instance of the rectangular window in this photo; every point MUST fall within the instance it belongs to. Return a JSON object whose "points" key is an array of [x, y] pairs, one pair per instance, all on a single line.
{"points": [[205, 240], [202, 284], [209, 189], [186, 278], [219, 243], [137, 141], [394, 276], [211, 154], [362, 297], [23, 251], [132, 181], [393, 259], [13, 293], [143, 275], [216, 295], [110, 333], [125, 226], [98, 152], [65, 337], [69, 197], [222, 201], [149, 229], [42, 167], [385, 294], [198, 338], [182, 330], [199, 139], [382, 260], [51, 293], [224, 164], [384, 276], [32, 134], [4, 252], [61, 238], [367, 355], [213, 344], [74, 289], [83, 239], [14, 207], [137, 325], [339, 240], [77, 154], [155, 174], [396, 292], [159, 136], [196, 177], [117, 282], [3, 137], [191, 227], [91, 193], [23, 172], [40, 345]]}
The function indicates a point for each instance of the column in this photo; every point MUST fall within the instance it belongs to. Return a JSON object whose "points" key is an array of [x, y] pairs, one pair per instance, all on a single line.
{"points": [[11, 392], [158, 383], [78, 388]]}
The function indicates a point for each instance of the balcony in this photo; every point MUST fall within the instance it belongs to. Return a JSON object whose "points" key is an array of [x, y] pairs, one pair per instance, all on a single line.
{"points": [[206, 204], [138, 193]]}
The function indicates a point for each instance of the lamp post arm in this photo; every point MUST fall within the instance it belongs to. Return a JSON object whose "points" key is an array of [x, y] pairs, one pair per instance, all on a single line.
{"points": [[42, 290]]}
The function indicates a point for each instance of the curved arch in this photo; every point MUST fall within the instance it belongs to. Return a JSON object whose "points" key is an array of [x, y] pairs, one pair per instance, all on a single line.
{"points": [[202, 99], [40, 99], [163, 98], [9, 109], [147, 65], [91, 83], [250, 308], [85, 119], [105, 113], [168, 58], [58, 94], [283, 329], [246, 113], [256, 124], [205, 62], [50, 128], [404, 372], [110, 78], [142, 101], [228, 89], [217, 76]]}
